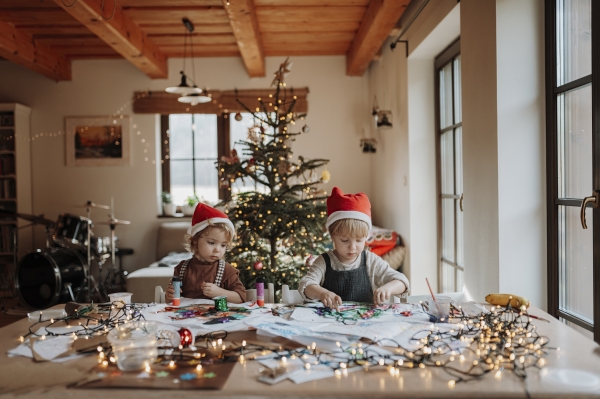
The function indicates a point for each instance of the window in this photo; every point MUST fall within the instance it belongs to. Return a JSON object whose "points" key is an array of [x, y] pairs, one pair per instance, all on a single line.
{"points": [[449, 161], [191, 145], [573, 162]]}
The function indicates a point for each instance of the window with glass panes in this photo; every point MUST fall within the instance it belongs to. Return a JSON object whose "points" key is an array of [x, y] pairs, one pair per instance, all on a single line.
{"points": [[573, 162], [450, 187], [191, 155]]}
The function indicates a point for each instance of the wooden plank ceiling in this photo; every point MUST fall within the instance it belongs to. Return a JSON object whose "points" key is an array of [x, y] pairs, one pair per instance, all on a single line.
{"points": [[45, 35]]}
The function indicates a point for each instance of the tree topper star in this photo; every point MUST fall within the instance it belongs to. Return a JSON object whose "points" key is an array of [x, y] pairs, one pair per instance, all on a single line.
{"points": [[283, 70]]}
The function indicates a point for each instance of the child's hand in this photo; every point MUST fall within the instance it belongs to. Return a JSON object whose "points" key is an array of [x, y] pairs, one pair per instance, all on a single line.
{"points": [[382, 295], [211, 290], [330, 300], [169, 294]]}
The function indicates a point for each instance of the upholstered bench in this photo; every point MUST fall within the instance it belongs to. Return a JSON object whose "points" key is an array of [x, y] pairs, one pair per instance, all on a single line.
{"points": [[141, 283]]}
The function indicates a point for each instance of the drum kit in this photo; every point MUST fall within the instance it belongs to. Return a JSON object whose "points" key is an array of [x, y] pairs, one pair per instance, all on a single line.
{"points": [[63, 271]]}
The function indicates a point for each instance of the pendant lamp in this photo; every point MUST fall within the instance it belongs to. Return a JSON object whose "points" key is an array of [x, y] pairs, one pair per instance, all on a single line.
{"points": [[196, 98], [184, 88]]}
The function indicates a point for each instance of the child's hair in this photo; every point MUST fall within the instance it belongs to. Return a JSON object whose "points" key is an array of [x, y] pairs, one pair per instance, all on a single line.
{"points": [[353, 228], [190, 243]]}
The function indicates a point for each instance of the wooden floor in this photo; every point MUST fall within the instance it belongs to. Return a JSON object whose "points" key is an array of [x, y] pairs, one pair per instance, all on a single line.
{"points": [[6, 305]]}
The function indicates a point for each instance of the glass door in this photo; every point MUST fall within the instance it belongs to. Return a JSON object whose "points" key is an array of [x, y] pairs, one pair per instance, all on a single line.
{"points": [[449, 160], [573, 164]]}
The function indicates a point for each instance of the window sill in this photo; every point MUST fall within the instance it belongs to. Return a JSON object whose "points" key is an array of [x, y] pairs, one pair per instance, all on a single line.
{"points": [[177, 216]]}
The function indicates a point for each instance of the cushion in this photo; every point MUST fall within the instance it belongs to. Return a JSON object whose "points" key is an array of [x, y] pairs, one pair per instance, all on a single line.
{"points": [[170, 238]]}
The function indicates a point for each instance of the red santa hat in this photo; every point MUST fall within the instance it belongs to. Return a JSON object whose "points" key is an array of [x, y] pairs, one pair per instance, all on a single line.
{"points": [[348, 206], [204, 216]]}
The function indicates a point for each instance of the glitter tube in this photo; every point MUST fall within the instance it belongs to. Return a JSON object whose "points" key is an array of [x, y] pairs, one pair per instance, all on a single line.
{"points": [[260, 291], [177, 287]]}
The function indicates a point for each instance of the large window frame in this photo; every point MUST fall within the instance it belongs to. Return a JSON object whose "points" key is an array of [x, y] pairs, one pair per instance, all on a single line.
{"points": [[448, 56], [554, 202], [223, 148]]}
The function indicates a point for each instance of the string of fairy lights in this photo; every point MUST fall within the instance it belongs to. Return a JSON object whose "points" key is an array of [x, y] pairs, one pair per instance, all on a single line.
{"points": [[500, 341]]}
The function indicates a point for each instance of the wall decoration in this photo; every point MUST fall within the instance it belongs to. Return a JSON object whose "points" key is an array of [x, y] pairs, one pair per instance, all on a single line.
{"points": [[384, 119], [97, 141]]}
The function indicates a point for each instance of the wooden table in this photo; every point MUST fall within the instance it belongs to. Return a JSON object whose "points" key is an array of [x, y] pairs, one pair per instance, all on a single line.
{"points": [[30, 379]]}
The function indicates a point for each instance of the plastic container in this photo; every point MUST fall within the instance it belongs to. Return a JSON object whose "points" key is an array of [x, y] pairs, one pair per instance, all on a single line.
{"points": [[176, 281], [120, 296], [438, 308], [134, 344], [260, 291]]}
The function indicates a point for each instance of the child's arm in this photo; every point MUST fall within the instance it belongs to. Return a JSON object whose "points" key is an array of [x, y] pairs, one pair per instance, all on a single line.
{"points": [[328, 298], [383, 293], [212, 290]]}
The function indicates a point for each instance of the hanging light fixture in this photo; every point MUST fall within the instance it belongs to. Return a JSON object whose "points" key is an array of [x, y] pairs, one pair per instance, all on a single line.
{"points": [[196, 98], [183, 88]]}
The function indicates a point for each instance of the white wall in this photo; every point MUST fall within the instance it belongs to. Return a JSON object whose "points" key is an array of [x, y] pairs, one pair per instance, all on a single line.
{"points": [[521, 148], [404, 186], [336, 107], [503, 144], [502, 43]]}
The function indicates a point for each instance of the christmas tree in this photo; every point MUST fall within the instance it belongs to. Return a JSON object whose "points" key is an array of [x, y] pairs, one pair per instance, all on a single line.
{"points": [[280, 223]]}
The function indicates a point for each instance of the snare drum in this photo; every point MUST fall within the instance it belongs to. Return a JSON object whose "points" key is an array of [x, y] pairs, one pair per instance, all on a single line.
{"points": [[71, 231], [41, 277]]}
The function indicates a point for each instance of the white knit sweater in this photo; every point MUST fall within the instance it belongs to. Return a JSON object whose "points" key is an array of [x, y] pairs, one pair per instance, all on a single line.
{"points": [[379, 271]]}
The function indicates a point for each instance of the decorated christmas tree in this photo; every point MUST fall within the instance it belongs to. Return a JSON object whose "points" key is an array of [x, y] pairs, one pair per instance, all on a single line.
{"points": [[280, 221]]}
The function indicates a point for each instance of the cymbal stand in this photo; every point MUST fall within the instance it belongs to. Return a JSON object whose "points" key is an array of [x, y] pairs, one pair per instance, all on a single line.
{"points": [[91, 282]]}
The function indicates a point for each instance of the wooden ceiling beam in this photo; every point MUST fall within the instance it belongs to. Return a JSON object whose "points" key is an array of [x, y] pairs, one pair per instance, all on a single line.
{"points": [[379, 20], [120, 33], [22, 49], [244, 23]]}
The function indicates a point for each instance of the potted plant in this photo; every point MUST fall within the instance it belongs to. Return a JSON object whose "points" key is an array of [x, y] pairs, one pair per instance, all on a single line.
{"points": [[190, 205], [168, 206]]}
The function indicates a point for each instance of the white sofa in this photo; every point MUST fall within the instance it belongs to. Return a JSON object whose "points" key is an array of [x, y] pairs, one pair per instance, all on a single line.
{"points": [[141, 283]]}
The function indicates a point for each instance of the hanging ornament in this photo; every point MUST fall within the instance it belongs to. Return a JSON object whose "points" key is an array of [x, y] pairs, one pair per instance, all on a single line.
{"points": [[238, 116], [224, 183], [253, 134], [186, 337], [305, 129], [258, 265], [250, 168], [313, 176], [232, 158], [325, 176], [283, 167]]}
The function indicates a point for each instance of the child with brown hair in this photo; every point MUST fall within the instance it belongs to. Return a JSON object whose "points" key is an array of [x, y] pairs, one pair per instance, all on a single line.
{"points": [[206, 275], [348, 273]]}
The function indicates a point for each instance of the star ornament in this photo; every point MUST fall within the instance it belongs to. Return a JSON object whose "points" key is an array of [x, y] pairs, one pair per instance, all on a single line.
{"points": [[282, 72]]}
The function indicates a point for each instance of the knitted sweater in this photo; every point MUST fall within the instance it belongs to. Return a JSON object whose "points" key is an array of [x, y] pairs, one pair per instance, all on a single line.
{"points": [[379, 271]]}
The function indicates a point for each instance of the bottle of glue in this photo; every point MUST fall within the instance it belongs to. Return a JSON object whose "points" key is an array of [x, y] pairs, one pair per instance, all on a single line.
{"points": [[260, 291]]}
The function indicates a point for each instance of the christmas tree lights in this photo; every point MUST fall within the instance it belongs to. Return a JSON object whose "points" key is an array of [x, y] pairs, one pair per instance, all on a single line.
{"points": [[281, 222]]}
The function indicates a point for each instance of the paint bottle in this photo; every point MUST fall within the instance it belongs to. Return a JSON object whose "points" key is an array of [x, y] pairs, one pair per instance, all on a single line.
{"points": [[177, 286], [260, 291]]}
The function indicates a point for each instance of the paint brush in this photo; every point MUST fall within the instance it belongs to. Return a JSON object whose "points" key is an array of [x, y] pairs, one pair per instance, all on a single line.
{"points": [[433, 296]]}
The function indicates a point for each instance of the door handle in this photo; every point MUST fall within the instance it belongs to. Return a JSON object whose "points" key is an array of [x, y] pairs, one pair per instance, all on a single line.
{"points": [[593, 199], [460, 202]]}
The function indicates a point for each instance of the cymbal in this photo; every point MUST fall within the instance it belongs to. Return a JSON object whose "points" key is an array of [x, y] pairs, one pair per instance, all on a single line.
{"points": [[39, 219], [115, 221], [90, 204]]}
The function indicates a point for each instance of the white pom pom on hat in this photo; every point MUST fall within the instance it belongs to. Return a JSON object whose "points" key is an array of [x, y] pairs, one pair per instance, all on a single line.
{"points": [[348, 206], [204, 216]]}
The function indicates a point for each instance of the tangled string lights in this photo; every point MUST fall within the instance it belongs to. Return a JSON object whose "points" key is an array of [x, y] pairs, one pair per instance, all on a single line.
{"points": [[469, 348], [92, 320]]}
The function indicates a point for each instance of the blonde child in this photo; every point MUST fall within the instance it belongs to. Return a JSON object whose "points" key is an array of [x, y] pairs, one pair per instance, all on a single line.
{"points": [[206, 275], [348, 273]]}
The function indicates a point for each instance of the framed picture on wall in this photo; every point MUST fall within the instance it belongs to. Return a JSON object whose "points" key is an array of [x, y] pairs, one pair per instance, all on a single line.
{"points": [[97, 141]]}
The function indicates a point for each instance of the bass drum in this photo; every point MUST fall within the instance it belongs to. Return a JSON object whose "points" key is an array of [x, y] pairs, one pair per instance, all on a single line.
{"points": [[41, 277]]}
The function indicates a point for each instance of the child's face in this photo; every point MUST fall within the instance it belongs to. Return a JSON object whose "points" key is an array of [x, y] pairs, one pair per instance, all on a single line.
{"points": [[212, 244], [347, 249]]}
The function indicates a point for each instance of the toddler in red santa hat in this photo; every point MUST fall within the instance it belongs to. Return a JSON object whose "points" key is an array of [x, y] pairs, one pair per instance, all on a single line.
{"points": [[206, 275], [349, 273]]}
